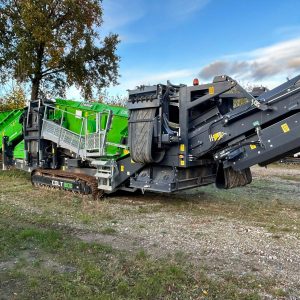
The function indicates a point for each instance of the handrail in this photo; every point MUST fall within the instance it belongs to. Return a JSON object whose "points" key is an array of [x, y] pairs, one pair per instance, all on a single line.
{"points": [[79, 146], [86, 141], [79, 117], [56, 108], [61, 123]]}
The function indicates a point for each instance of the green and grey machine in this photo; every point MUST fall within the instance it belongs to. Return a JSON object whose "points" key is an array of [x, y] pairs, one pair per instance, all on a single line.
{"points": [[168, 139]]}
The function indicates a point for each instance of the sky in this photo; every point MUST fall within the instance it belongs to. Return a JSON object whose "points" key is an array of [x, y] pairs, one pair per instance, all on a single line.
{"points": [[255, 42]]}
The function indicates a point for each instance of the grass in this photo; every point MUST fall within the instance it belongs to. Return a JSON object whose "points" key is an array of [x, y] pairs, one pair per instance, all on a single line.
{"points": [[272, 205], [89, 270], [41, 257], [265, 203]]}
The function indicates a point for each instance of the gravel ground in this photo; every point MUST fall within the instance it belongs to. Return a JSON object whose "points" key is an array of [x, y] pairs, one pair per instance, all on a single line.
{"points": [[253, 230], [275, 170], [221, 243]]}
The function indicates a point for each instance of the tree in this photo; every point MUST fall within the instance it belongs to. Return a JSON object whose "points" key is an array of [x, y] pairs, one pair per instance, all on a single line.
{"points": [[106, 98], [54, 44], [14, 100]]}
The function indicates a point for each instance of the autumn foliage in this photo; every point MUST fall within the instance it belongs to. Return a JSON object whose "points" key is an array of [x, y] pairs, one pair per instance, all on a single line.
{"points": [[14, 100], [54, 44]]}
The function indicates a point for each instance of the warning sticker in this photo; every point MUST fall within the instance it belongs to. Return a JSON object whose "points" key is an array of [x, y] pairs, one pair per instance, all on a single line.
{"points": [[211, 90], [78, 114], [285, 128], [217, 136]]}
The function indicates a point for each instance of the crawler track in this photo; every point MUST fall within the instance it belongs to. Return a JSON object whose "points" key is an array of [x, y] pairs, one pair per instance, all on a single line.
{"points": [[85, 184]]}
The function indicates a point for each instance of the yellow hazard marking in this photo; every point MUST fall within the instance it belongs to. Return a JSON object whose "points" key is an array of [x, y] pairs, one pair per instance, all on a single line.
{"points": [[182, 162], [253, 147], [182, 147], [218, 135], [285, 128], [126, 151], [122, 168], [211, 90]]}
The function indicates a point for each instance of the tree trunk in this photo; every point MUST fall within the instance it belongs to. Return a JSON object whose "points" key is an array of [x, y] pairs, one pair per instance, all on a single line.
{"points": [[36, 80], [35, 88]]}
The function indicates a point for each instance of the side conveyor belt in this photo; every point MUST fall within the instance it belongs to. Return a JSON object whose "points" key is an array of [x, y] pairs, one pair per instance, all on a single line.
{"points": [[248, 123]]}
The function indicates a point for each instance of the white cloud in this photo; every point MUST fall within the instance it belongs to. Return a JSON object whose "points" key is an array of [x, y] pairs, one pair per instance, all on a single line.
{"points": [[118, 13], [268, 66], [270, 63], [182, 8], [134, 78]]}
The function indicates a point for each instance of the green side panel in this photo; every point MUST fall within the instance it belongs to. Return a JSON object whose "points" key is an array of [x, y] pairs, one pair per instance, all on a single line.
{"points": [[19, 151], [72, 121], [93, 107], [10, 126]]}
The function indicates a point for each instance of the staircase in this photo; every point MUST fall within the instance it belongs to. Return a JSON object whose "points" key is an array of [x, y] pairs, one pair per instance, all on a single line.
{"points": [[91, 146], [106, 170], [87, 145]]}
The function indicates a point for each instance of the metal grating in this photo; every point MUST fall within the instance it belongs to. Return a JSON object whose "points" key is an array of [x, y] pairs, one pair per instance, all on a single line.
{"points": [[89, 145]]}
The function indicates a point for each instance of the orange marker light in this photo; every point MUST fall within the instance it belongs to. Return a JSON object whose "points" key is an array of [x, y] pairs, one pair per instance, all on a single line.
{"points": [[196, 81]]}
